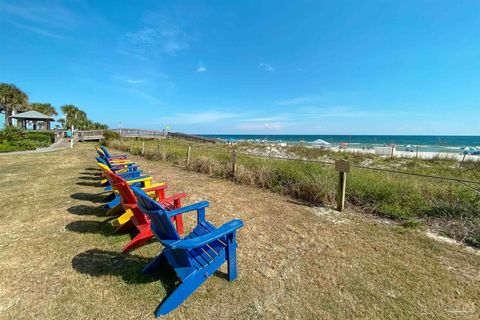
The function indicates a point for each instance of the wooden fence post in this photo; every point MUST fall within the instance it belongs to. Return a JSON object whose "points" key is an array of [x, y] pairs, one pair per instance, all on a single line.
{"points": [[234, 163], [417, 153], [189, 152], [143, 147], [343, 167]]}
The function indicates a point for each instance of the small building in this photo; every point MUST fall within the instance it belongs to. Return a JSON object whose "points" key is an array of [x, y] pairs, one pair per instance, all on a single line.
{"points": [[33, 120]]}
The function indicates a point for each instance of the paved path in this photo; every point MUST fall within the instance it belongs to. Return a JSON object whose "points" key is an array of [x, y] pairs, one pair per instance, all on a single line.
{"points": [[59, 145]]}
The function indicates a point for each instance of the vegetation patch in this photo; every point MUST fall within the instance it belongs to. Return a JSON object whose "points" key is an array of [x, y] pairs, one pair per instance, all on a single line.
{"points": [[15, 139], [451, 208]]}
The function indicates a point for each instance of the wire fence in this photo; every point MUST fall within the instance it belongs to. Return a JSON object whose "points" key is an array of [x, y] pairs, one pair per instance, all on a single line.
{"points": [[367, 168]]}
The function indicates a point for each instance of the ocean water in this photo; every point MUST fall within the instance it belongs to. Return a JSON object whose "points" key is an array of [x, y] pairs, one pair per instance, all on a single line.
{"points": [[452, 144]]}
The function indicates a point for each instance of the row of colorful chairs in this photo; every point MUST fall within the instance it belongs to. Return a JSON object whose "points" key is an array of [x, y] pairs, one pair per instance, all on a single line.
{"points": [[143, 207]]}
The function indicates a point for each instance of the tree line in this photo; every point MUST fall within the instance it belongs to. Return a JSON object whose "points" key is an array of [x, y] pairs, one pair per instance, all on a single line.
{"points": [[13, 100]]}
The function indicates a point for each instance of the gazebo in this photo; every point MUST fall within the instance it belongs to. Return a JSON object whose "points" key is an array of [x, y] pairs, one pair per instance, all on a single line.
{"points": [[33, 120]]}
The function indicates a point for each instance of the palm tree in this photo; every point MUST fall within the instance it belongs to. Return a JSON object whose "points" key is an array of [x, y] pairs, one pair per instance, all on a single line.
{"points": [[75, 116], [12, 99], [45, 108]]}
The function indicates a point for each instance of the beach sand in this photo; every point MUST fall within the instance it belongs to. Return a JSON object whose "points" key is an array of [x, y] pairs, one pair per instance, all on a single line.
{"points": [[419, 155]]}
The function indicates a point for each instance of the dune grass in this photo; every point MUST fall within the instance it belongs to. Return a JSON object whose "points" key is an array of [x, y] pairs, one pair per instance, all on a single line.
{"points": [[60, 260], [450, 208]]}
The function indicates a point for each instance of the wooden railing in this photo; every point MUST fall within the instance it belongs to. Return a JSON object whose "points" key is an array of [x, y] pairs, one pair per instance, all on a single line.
{"points": [[139, 133], [191, 137]]}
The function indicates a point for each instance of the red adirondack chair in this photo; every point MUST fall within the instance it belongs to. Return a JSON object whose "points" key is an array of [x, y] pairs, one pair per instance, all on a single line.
{"points": [[138, 219]]}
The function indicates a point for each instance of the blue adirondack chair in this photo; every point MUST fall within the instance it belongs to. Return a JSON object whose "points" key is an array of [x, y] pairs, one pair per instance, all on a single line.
{"points": [[113, 156], [119, 169], [194, 257]]}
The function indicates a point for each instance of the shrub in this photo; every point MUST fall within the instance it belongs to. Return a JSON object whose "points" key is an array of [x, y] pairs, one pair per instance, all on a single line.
{"points": [[15, 139], [111, 135], [7, 148], [44, 137], [11, 133]]}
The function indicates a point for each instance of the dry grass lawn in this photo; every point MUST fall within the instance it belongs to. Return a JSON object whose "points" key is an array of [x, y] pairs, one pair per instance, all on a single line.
{"points": [[59, 259]]}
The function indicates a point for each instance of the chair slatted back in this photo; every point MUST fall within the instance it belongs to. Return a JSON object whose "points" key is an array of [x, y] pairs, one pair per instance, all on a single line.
{"points": [[105, 151], [103, 161], [128, 197], [161, 225], [100, 153]]}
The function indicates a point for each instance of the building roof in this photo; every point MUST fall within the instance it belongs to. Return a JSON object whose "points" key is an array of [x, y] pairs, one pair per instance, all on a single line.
{"points": [[32, 115]]}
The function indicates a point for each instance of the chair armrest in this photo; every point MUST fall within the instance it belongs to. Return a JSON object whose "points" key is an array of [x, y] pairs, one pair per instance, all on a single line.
{"points": [[193, 207], [129, 173], [123, 165], [139, 179], [192, 243], [168, 200], [120, 161], [160, 186], [118, 156]]}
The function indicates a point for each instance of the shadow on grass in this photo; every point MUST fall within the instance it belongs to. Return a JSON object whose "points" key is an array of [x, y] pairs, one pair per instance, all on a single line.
{"points": [[83, 210], [96, 198], [96, 262], [89, 178], [89, 184], [90, 173], [91, 226]]}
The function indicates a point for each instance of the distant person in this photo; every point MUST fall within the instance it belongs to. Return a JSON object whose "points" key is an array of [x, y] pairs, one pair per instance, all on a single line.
{"points": [[68, 134]]}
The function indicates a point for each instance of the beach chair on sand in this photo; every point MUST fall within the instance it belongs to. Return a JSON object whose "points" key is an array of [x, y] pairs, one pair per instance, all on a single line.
{"points": [[133, 217], [132, 178], [194, 257]]}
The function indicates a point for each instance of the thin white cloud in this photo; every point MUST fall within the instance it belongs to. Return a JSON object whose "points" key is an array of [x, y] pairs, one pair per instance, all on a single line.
{"points": [[46, 19], [293, 101], [264, 119], [260, 126], [205, 117], [37, 30], [158, 35], [266, 67], [40, 13], [345, 112], [134, 81], [201, 69]]}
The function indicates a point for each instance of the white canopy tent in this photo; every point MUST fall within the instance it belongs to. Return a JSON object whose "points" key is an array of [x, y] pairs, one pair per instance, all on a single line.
{"points": [[320, 143]]}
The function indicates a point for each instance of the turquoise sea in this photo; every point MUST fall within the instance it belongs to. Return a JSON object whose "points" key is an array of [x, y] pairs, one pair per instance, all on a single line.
{"points": [[453, 144]]}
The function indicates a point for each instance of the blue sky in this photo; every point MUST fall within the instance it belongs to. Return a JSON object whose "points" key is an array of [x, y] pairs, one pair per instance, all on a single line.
{"points": [[273, 67]]}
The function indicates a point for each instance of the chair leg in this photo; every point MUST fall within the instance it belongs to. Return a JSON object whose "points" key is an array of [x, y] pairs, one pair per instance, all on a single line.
{"points": [[123, 219], [115, 210], [182, 292], [126, 227], [115, 202], [232, 256], [139, 240]]}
